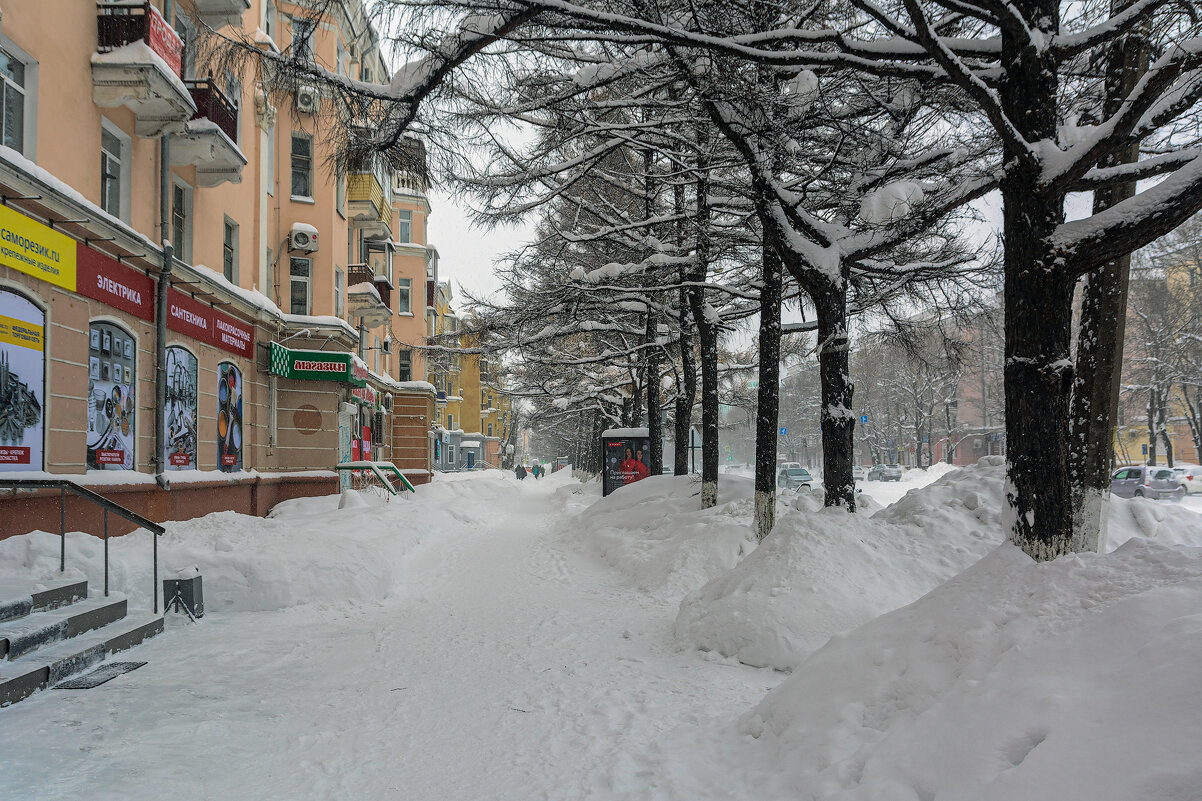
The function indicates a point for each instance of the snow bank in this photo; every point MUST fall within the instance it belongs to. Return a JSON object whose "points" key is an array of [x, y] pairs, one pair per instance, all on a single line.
{"points": [[655, 531], [824, 571], [1070, 679], [308, 550], [1167, 523]]}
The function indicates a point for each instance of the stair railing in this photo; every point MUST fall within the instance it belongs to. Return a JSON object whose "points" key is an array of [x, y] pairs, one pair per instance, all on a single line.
{"points": [[64, 486]]}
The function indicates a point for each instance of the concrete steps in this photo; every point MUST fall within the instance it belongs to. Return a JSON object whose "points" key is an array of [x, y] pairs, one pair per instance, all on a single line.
{"points": [[50, 633]]}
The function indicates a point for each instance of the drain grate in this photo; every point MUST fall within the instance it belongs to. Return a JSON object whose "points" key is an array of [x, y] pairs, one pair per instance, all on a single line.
{"points": [[109, 670]]}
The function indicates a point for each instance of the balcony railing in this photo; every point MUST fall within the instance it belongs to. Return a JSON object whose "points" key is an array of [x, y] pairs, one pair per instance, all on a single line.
{"points": [[122, 23], [212, 104], [363, 273]]}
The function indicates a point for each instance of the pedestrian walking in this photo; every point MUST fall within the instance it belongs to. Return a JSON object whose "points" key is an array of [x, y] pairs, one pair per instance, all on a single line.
{"points": [[520, 472]]}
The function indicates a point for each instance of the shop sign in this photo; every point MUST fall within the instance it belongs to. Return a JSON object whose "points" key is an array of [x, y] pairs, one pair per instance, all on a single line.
{"points": [[231, 335], [359, 375], [165, 41], [109, 281], [190, 317], [22, 382], [309, 365], [29, 247], [365, 394]]}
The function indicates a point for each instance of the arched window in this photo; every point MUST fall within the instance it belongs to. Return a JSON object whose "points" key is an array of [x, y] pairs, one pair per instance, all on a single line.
{"points": [[180, 415], [112, 406]]}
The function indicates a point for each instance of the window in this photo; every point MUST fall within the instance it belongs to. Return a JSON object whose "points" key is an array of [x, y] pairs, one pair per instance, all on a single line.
{"points": [[404, 228], [18, 90], [269, 19], [271, 161], [114, 171], [404, 292], [302, 39], [340, 196], [302, 166], [181, 221], [233, 92], [343, 60], [299, 274], [490, 429], [229, 250], [338, 283], [404, 359], [450, 422], [187, 34]]}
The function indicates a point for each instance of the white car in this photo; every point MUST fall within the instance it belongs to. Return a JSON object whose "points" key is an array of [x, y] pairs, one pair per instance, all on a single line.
{"points": [[858, 473], [1190, 477]]}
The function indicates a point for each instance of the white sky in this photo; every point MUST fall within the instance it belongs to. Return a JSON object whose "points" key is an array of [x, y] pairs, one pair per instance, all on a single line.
{"points": [[466, 253]]}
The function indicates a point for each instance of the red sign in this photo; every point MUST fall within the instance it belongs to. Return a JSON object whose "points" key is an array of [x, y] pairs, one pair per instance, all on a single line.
{"points": [[180, 459], [109, 456], [229, 460], [365, 395], [109, 281], [14, 455], [165, 41], [231, 335], [187, 316]]}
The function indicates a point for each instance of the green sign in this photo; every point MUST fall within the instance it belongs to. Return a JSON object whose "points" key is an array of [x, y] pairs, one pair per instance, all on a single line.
{"points": [[315, 365]]}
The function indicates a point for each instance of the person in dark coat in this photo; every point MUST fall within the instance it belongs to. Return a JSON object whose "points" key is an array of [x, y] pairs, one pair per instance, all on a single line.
{"points": [[520, 472]]}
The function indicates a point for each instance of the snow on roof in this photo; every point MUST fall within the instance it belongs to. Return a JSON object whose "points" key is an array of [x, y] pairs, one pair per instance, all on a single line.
{"points": [[626, 432]]}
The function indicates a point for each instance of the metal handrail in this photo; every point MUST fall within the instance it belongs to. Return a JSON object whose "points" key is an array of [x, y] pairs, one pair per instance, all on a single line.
{"points": [[64, 486]]}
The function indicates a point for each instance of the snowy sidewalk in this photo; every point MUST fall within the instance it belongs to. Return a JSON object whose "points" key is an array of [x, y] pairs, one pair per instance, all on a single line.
{"points": [[509, 667]]}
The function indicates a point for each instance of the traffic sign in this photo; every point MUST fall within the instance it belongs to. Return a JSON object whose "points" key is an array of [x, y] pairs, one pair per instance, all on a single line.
{"points": [[784, 432], [863, 418]]}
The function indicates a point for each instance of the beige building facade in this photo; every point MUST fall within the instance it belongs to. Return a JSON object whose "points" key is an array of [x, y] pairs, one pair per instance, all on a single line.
{"points": [[134, 184]]}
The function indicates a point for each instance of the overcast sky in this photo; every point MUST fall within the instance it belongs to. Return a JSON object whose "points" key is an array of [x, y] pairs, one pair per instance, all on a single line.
{"points": [[466, 253]]}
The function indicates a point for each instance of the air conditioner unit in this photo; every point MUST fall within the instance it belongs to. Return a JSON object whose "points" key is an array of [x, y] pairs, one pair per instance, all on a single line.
{"points": [[387, 402], [305, 241], [308, 100]]}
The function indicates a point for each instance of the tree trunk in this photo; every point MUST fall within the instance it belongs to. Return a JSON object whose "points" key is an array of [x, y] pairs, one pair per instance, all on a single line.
{"points": [[707, 332], [838, 419], [1103, 323], [686, 397], [655, 427], [767, 393], [1152, 439]]}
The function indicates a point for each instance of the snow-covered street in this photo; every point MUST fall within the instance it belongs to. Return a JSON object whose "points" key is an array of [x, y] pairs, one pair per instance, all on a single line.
{"points": [[489, 639], [506, 666]]}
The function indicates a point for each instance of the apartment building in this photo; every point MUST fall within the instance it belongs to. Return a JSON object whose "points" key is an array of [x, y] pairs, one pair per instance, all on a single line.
{"points": [[137, 187]]}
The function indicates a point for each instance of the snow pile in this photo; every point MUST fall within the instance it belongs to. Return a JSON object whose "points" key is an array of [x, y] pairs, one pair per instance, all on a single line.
{"points": [[891, 202], [308, 550], [655, 532], [1014, 680], [823, 571], [1166, 522]]}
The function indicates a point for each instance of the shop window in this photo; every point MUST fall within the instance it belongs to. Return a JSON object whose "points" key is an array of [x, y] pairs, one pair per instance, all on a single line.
{"points": [[404, 294], [112, 405], [180, 415], [302, 166], [114, 170], [22, 384], [299, 280], [229, 418], [229, 250]]}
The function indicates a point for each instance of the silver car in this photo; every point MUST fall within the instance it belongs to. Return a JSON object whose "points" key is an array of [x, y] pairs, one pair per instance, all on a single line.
{"points": [[793, 477], [1146, 482], [885, 472]]}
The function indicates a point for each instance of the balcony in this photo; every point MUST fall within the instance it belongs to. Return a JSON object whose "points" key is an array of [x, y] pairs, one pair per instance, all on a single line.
{"points": [[209, 141], [363, 274], [365, 198], [137, 65], [218, 13]]}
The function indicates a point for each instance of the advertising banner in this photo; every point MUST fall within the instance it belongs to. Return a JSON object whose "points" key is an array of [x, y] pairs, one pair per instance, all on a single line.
{"points": [[179, 418], [229, 418], [109, 281], [188, 316], [233, 336], [166, 42], [29, 247], [112, 407], [22, 382], [626, 458], [309, 365]]}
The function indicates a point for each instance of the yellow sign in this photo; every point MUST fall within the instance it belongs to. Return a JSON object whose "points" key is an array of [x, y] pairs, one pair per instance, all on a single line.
{"points": [[38, 250], [19, 332]]}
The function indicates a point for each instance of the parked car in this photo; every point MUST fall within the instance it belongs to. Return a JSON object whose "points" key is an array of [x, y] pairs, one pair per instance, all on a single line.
{"points": [[885, 472], [1190, 477], [793, 477], [1146, 482], [858, 473]]}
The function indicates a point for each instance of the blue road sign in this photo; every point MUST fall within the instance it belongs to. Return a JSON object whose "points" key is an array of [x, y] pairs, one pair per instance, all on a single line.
{"points": [[784, 432], [1145, 449], [863, 418]]}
